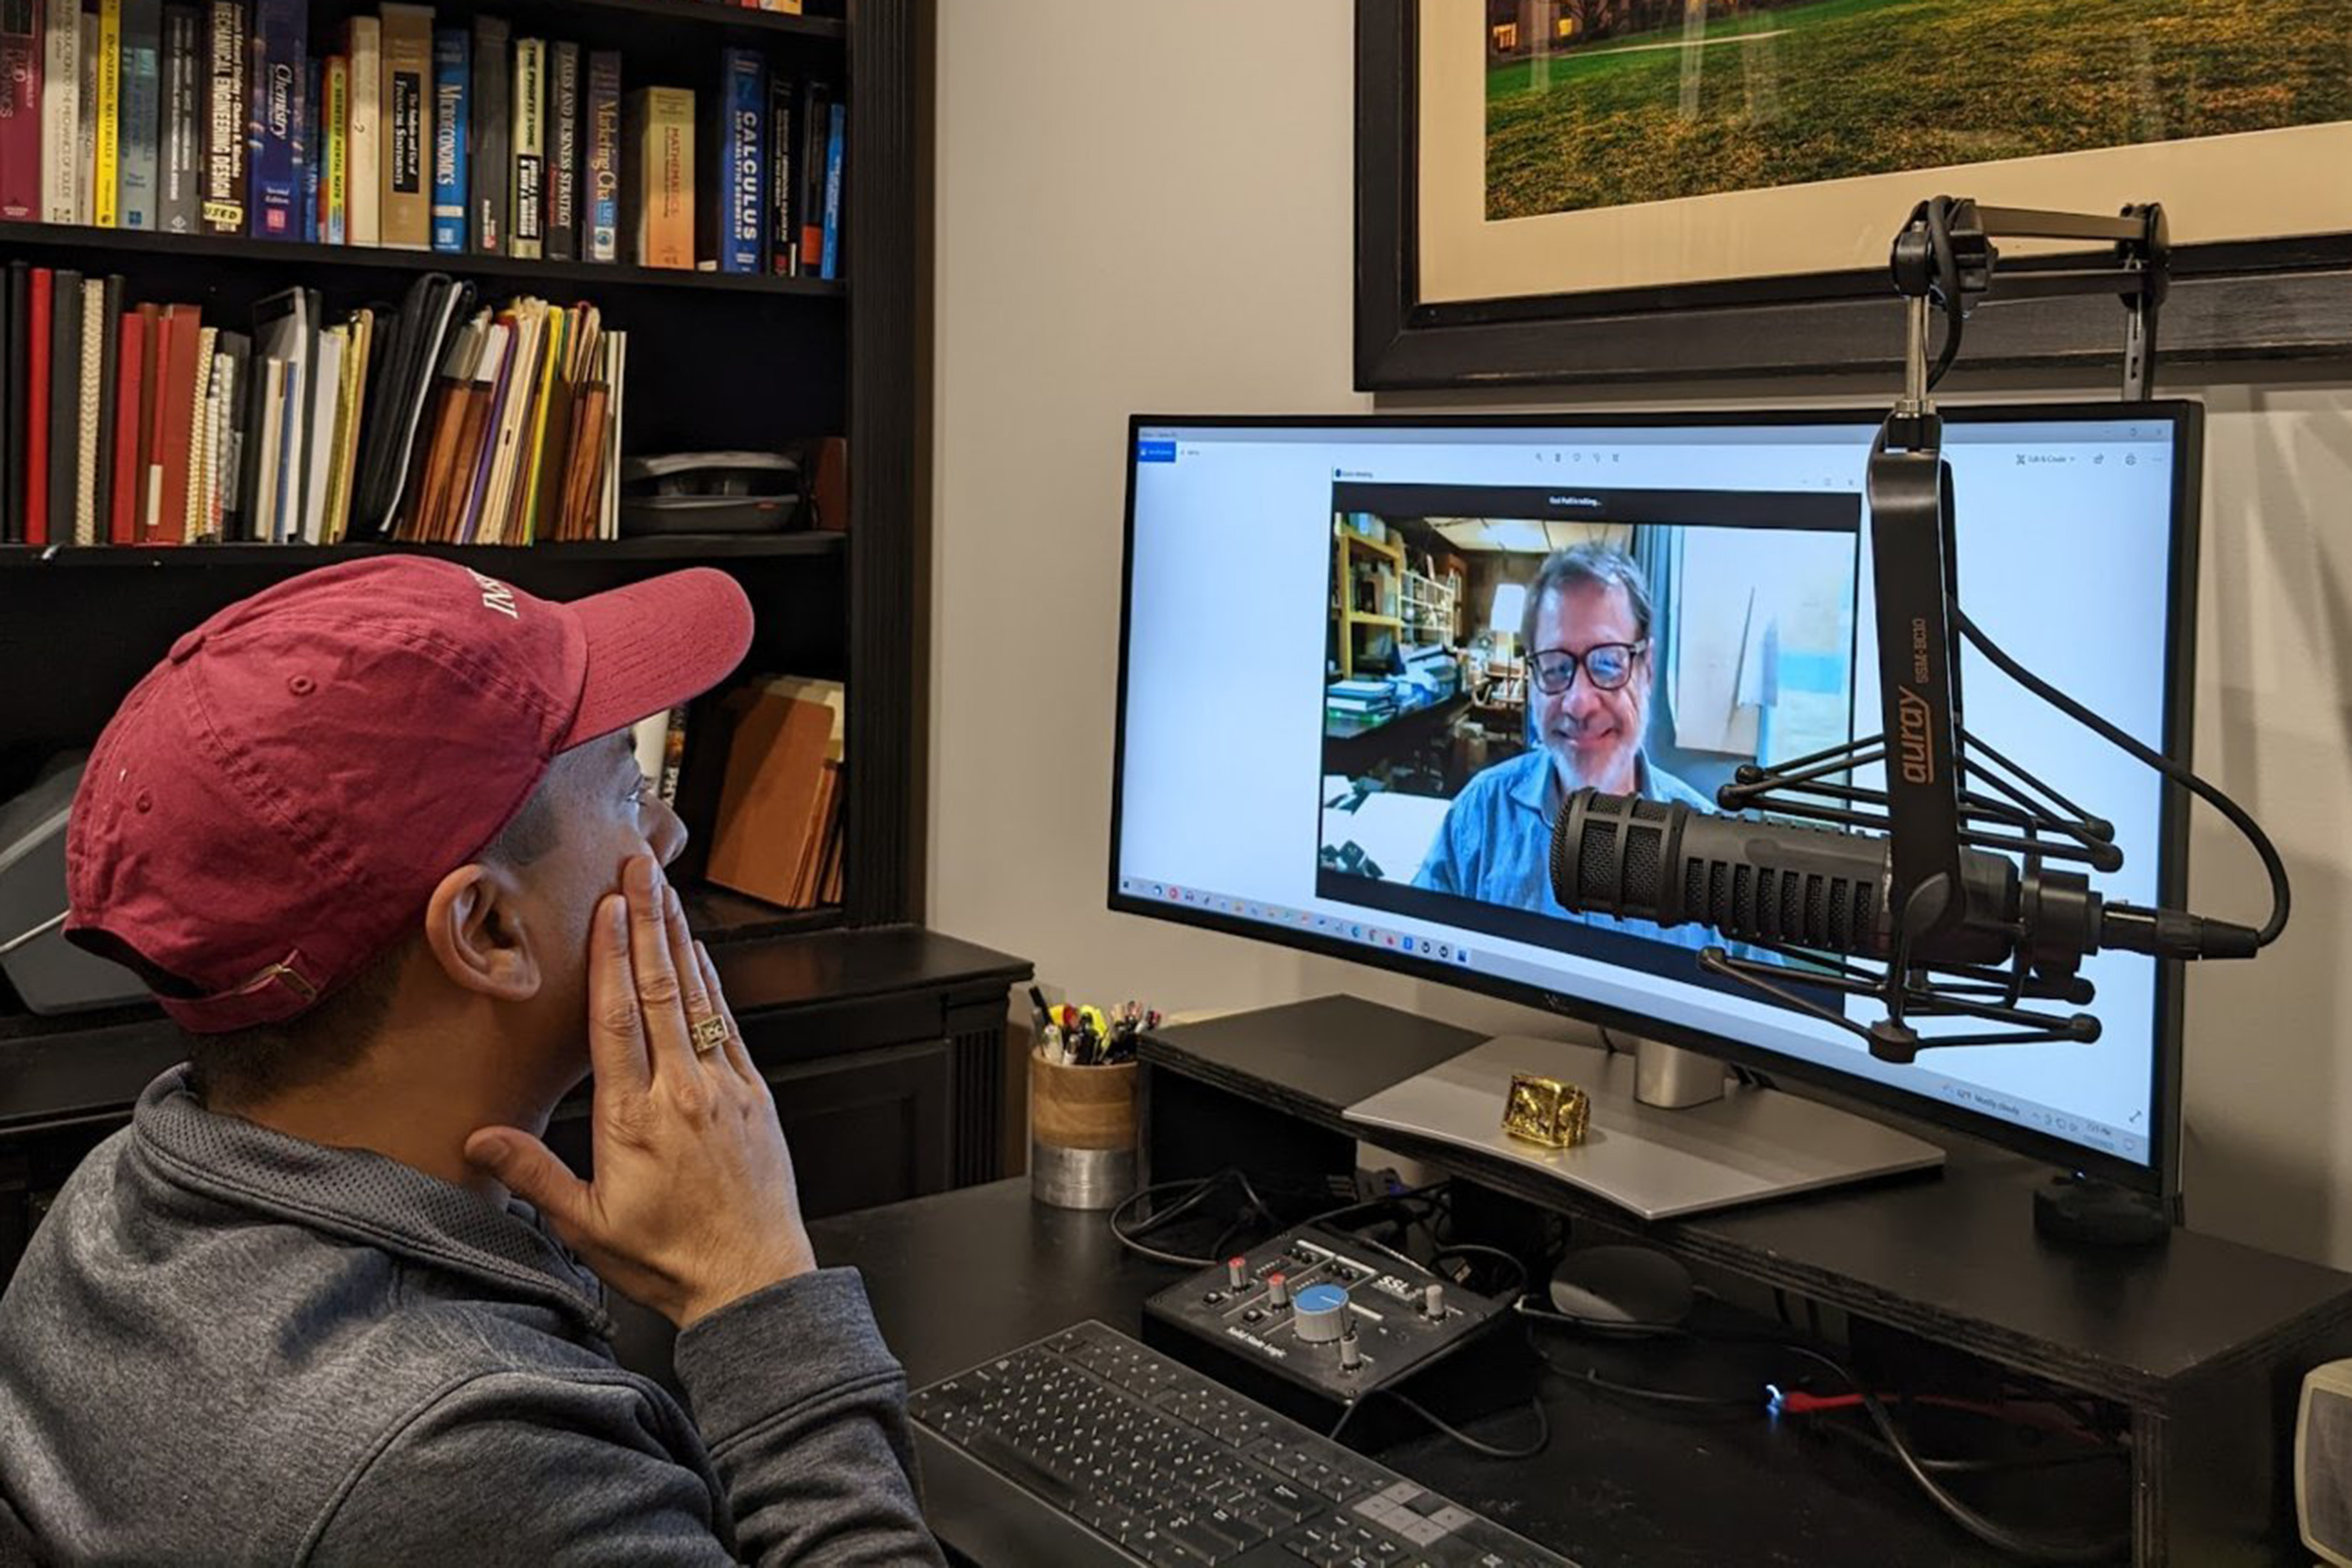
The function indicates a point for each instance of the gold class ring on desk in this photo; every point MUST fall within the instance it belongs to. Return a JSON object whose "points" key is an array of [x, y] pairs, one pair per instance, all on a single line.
{"points": [[1544, 1111]]}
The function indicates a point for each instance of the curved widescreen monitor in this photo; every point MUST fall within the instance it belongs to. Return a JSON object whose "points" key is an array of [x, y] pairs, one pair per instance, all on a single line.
{"points": [[1346, 717]]}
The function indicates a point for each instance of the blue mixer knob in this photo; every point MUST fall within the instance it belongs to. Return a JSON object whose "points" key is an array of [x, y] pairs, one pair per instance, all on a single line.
{"points": [[1320, 1311]]}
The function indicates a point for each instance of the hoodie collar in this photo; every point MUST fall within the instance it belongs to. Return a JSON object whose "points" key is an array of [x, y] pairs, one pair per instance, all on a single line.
{"points": [[360, 1196]]}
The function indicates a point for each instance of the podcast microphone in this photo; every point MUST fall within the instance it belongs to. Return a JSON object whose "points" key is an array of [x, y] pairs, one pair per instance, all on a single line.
{"points": [[1790, 885]]}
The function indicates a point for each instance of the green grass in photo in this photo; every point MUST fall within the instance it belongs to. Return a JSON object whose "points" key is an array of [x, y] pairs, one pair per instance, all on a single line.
{"points": [[1795, 94]]}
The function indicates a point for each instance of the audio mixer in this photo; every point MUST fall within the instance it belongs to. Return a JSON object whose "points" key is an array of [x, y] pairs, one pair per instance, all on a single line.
{"points": [[1312, 1320]]}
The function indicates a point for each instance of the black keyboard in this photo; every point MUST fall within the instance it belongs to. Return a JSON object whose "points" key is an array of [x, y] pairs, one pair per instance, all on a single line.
{"points": [[1160, 1465]]}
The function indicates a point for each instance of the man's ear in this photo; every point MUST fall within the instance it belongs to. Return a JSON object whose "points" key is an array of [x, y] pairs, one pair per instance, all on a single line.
{"points": [[475, 927]]}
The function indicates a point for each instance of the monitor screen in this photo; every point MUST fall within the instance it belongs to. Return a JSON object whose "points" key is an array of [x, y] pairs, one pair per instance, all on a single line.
{"points": [[1364, 659]]}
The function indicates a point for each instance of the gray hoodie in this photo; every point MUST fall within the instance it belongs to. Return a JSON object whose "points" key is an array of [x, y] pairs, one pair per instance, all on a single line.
{"points": [[228, 1346]]}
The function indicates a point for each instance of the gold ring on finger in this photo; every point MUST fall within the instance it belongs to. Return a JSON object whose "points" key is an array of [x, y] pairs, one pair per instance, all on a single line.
{"points": [[710, 1034]]}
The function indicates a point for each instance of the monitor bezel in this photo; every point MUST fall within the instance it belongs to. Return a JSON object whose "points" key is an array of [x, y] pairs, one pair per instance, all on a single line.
{"points": [[2185, 418]]}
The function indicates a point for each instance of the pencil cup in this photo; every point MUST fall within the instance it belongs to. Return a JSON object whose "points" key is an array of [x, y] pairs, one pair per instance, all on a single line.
{"points": [[1081, 1133]]}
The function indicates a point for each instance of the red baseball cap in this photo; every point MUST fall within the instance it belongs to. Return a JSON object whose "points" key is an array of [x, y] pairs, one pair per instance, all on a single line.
{"points": [[274, 803]]}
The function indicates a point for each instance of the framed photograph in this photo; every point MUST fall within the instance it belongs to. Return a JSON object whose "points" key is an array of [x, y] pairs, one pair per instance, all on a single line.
{"points": [[1562, 191]]}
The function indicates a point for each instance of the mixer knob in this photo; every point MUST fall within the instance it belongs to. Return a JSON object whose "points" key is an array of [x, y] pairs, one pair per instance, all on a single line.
{"points": [[1320, 1313]]}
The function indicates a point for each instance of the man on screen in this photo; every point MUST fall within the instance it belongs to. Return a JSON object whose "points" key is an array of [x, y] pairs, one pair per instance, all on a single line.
{"points": [[1590, 671]]}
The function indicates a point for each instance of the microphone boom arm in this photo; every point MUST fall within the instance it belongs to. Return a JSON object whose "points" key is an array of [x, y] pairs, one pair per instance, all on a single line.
{"points": [[1945, 256]]}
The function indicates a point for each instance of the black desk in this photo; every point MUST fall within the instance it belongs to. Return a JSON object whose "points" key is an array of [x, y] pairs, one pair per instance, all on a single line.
{"points": [[960, 1277], [1360, 750], [2203, 1341]]}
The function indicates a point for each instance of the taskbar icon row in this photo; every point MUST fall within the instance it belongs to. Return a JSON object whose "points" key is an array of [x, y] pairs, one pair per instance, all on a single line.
{"points": [[1340, 926]]}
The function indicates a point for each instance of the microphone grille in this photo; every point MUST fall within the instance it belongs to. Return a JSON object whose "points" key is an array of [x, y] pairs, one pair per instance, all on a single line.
{"points": [[1619, 846], [1593, 868]]}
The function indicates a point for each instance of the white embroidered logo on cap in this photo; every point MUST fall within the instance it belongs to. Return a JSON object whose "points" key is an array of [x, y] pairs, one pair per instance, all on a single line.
{"points": [[495, 596]]}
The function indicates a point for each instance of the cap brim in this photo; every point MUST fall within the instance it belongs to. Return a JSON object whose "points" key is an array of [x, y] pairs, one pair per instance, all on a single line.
{"points": [[654, 644]]}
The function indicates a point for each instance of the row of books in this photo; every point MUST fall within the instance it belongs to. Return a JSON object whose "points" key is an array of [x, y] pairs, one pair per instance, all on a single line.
{"points": [[139, 424], [525, 431], [218, 118], [778, 833], [118, 423]]}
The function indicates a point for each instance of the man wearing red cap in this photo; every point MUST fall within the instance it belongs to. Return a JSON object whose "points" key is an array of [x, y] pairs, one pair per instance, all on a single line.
{"points": [[378, 841]]}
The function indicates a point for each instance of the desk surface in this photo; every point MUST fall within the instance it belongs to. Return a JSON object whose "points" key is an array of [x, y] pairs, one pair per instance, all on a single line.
{"points": [[1955, 1256], [964, 1276]]}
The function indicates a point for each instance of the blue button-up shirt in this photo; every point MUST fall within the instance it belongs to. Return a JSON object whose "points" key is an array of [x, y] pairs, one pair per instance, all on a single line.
{"points": [[1495, 844]]}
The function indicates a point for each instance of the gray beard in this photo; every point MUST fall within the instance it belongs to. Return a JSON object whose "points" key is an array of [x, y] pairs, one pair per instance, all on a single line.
{"points": [[1568, 776]]}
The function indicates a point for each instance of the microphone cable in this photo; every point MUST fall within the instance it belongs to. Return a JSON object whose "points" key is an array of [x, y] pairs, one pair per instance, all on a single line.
{"points": [[1891, 1437], [2238, 818]]}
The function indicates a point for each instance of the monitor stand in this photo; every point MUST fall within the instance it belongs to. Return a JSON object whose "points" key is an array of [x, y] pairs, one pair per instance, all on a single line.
{"points": [[1669, 1135]]}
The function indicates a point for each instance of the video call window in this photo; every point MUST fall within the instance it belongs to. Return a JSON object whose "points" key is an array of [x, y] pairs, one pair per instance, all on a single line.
{"points": [[1489, 649]]}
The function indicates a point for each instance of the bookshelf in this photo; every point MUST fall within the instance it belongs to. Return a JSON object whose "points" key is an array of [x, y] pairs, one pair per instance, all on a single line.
{"points": [[278, 557], [106, 250], [1362, 561], [717, 361]]}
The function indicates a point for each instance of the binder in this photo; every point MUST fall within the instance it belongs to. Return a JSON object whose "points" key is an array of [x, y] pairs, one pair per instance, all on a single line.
{"points": [[173, 453], [123, 472], [100, 442]]}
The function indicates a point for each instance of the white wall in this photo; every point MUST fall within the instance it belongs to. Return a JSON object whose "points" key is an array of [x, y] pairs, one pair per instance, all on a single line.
{"points": [[1146, 208]]}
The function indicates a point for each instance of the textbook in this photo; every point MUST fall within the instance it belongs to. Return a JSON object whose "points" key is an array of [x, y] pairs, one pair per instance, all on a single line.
{"points": [[658, 175], [407, 113], [488, 156], [738, 220], [363, 133], [86, 121], [179, 158], [21, 49], [829, 252], [273, 126], [561, 136], [602, 134], [334, 155], [453, 63], [816, 125], [224, 117], [529, 217], [61, 108], [142, 99], [784, 231], [105, 110], [309, 147]]}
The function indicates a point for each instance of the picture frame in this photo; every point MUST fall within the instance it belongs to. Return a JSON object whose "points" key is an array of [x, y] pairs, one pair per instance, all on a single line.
{"points": [[2246, 299]]}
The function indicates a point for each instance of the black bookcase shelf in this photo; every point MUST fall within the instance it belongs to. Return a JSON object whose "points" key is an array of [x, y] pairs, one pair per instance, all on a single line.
{"points": [[717, 362], [683, 551], [721, 19], [719, 916], [82, 247], [872, 1020]]}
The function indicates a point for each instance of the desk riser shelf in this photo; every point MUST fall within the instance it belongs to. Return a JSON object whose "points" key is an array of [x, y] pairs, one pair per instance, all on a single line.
{"points": [[1699, 1242]]}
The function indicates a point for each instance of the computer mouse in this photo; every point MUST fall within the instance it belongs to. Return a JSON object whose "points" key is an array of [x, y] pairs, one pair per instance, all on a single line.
{"points": [[1621, 1284]]}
